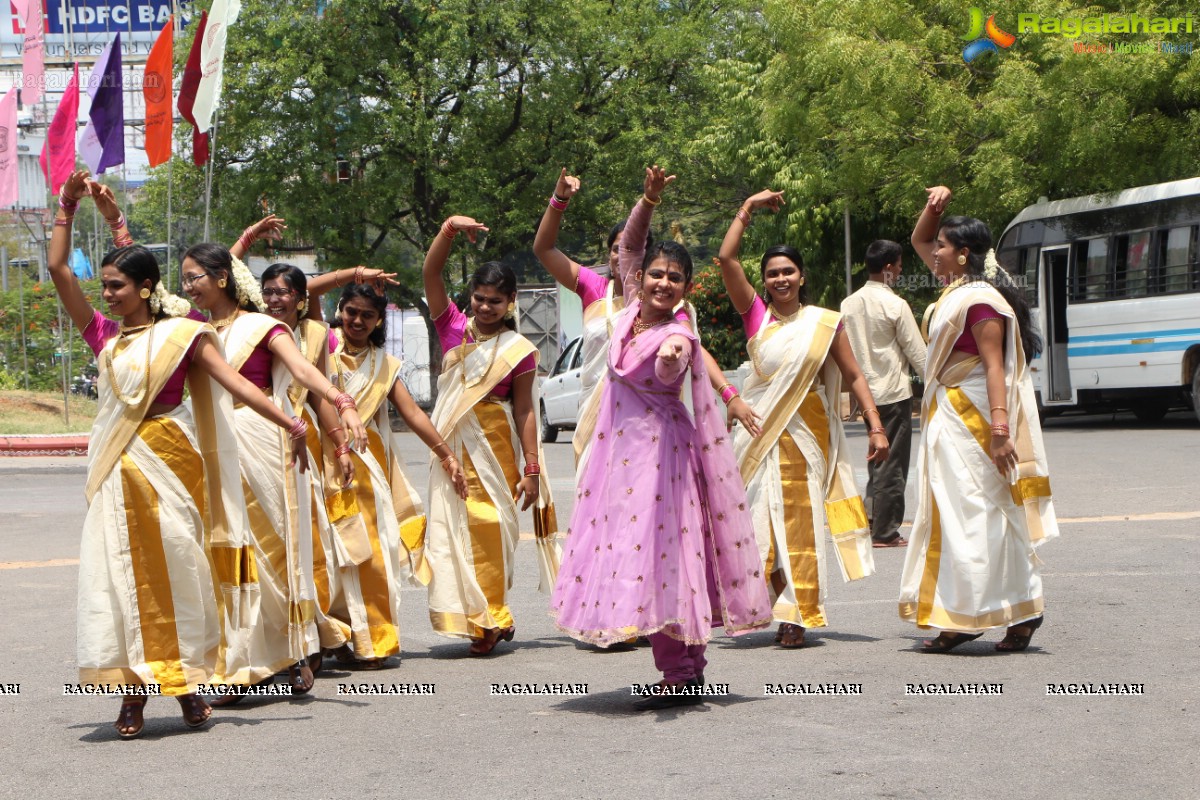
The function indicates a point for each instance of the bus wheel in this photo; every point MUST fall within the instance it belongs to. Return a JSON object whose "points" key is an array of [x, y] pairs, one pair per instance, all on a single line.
{"points": [[1151, 411], [549, 432]]}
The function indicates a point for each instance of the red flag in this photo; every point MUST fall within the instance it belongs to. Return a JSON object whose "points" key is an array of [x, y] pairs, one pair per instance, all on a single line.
{"points": [[156, 86], [58, 151], [187, 93]]}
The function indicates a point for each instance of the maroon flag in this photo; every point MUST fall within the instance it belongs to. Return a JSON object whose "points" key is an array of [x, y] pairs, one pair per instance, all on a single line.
{"points": [[58, 153], [187, 93]]}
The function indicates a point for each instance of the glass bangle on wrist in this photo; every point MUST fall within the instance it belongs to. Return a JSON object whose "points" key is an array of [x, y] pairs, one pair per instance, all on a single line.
{"points": [[532, 469]]}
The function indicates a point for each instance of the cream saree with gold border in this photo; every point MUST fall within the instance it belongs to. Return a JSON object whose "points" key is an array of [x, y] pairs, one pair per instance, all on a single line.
{"points": [[598, 321], [162, 498], [278, 505], [379, 527], [971, 563], [797, 472], [471, 544]]}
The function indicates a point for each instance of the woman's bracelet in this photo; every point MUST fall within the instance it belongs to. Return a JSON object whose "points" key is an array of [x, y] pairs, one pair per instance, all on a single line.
{"points": [[123, 241], [650, 202], [118, 224], [744, 216], [66, 203], [448, 458], [448, 230], [299, 428], [876, 430], [558, 203], [728, 392], [358, 274], [440, 445], [1000, 430], [533, 469], [344, 402], [342, 450], [67, 220], [337, 277]]}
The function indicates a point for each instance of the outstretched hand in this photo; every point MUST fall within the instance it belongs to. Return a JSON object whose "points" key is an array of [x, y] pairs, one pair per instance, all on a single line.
{"points": [[741, 411], [670, 352], [765, 199], [567, 186], [269, 227], [468, 226], [657, 179], [76, 186]]}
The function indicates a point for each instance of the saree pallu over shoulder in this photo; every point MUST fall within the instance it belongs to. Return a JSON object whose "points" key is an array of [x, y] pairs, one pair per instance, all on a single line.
{"points": [[660, 539], [243, 335], [311, 337], [967, 512], [471, 545], [796, 388]]}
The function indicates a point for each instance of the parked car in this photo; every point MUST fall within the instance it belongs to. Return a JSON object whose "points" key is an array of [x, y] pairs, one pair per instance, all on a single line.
{"points": [[560, 392]]}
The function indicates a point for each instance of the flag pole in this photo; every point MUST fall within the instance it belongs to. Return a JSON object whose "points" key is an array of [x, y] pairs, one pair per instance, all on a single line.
{"points": [[212, 150]]}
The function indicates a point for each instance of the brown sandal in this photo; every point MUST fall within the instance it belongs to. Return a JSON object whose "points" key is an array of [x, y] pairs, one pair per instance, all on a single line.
{"points": [[196, 712], [791, 636], [485, 644], [947, 641], [130, 717], [299, 682]]}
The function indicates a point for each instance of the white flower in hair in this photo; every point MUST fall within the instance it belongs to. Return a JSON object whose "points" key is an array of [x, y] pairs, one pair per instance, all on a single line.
{"points": [[162, 300], [248, 289], [991, 267]]}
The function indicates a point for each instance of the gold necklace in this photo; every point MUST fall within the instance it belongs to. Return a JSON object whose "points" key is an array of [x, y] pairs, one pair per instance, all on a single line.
{"points": [[221, 324], [339, 363], [112, 374], [479, 338], [641, 327], [132, 329], [349, 349], [782, 318]]}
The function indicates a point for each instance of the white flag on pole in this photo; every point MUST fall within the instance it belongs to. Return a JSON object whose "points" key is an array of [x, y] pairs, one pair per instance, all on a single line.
{"points": [[212, 60]]}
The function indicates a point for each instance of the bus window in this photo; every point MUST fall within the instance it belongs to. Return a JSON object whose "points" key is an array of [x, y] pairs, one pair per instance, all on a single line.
{"points": [[1133, 265], [1028, 279], [1091, 270], [1176, 260]]}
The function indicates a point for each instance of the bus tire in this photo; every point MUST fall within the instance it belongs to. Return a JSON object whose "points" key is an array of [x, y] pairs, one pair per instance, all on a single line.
{"points": [[1151, 411]]}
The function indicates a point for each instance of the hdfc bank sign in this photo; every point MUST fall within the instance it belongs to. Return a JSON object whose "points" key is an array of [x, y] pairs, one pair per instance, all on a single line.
{"points": [[103, 16]]}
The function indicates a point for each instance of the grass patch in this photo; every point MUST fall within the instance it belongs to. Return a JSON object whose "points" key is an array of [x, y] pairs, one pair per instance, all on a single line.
{"points": [[42, 412]]}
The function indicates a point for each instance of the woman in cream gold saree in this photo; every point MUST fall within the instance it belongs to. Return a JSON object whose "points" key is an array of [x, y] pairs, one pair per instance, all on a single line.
{"points": [[797, 470], [486, 412], [167, 588], [983, 497], [277, 495]]}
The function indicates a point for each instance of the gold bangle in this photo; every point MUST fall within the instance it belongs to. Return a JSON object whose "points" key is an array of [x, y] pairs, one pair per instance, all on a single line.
{"points": [[650, 202]]}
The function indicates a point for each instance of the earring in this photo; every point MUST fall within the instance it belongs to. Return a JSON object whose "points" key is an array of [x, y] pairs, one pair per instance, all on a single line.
{"points": [[222, 283], [801, 283], [962, 260], [379, 324], [302, 306], [144, 293], [511, 312], [641, 296]]}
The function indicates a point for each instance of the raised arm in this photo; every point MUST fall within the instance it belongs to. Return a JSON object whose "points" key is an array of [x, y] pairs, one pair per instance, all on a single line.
{"points": [[319, 285], [633, 240], [59, 254], [737, 285], [269, 227], [436, 257], [925, 232], [106, 204], [560, 267]]}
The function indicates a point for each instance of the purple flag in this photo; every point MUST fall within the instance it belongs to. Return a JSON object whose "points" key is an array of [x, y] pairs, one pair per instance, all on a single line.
{"points": [[103, 143]]}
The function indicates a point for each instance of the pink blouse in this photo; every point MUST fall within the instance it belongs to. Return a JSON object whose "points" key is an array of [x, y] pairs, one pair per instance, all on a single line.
{"points": [[451, 326], [975, 315], [257, 368], [591, 286], [101, 329]]}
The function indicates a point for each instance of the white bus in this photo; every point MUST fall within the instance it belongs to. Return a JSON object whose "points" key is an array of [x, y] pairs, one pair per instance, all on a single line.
{"points": [[1114, 282]]}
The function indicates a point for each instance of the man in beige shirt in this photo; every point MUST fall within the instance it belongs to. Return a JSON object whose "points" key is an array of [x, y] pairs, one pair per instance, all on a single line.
{"points": [[887, 343]]}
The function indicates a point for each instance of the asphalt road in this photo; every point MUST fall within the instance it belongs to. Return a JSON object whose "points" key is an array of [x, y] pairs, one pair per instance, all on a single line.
{"points": [[1121, 588]]}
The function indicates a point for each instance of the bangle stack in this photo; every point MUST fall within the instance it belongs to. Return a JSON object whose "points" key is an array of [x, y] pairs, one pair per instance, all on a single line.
{"points": [[68, 207], [558, 203], [344, 402], [299, 428], [876, 430], [728, 392], [248, 238], [1000, 429], [342, 450], [449, 231], [650, 202], [358, 274], [533, 469], [744, 216]]}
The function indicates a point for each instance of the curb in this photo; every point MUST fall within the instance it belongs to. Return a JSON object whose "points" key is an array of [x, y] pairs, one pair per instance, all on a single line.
{"points": [[44, 445]]}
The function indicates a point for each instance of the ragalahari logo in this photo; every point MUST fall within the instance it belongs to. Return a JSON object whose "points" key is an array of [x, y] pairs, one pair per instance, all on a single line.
{"points": [[985, 36]]}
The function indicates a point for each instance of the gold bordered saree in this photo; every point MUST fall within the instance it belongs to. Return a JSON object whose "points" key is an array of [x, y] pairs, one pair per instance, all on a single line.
{"points": [[167, 587], [278, 505], [797, 472], [379, 527], [971, 563], [471, 544]]}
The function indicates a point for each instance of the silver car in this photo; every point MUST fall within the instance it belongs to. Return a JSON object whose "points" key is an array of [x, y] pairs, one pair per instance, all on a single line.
{"points": [[560, 392]]}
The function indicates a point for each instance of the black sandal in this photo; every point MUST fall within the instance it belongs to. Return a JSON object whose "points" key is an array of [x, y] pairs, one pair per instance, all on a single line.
{"points": [[791, 636], [671, 695], [1014, 642], [947, 641], [196, 712], [296, 678]]}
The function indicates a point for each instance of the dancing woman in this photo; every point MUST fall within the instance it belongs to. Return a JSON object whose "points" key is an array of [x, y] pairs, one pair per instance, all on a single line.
{"points": [[983, 486], [379, 525], [277, 495], [667, 552], [603, 298], [797, 472], [486, 412], [166, 586]]}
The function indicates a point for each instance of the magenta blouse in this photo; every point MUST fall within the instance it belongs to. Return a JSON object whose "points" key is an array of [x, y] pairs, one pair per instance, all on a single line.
{"points": [[975, 315], [101, 329], [451, 326]]}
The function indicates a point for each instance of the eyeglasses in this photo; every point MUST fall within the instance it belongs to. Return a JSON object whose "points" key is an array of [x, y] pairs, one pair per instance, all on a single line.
{"points": [[188, 280], [273, 292]]}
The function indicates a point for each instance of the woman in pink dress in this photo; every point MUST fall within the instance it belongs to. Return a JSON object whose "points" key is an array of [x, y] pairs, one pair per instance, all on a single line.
{"points": [[667, 551]]}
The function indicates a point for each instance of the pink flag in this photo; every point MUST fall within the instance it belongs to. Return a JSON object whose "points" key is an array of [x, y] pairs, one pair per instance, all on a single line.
{"points": [[9, 179], [32, 62], [58, 152]]}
